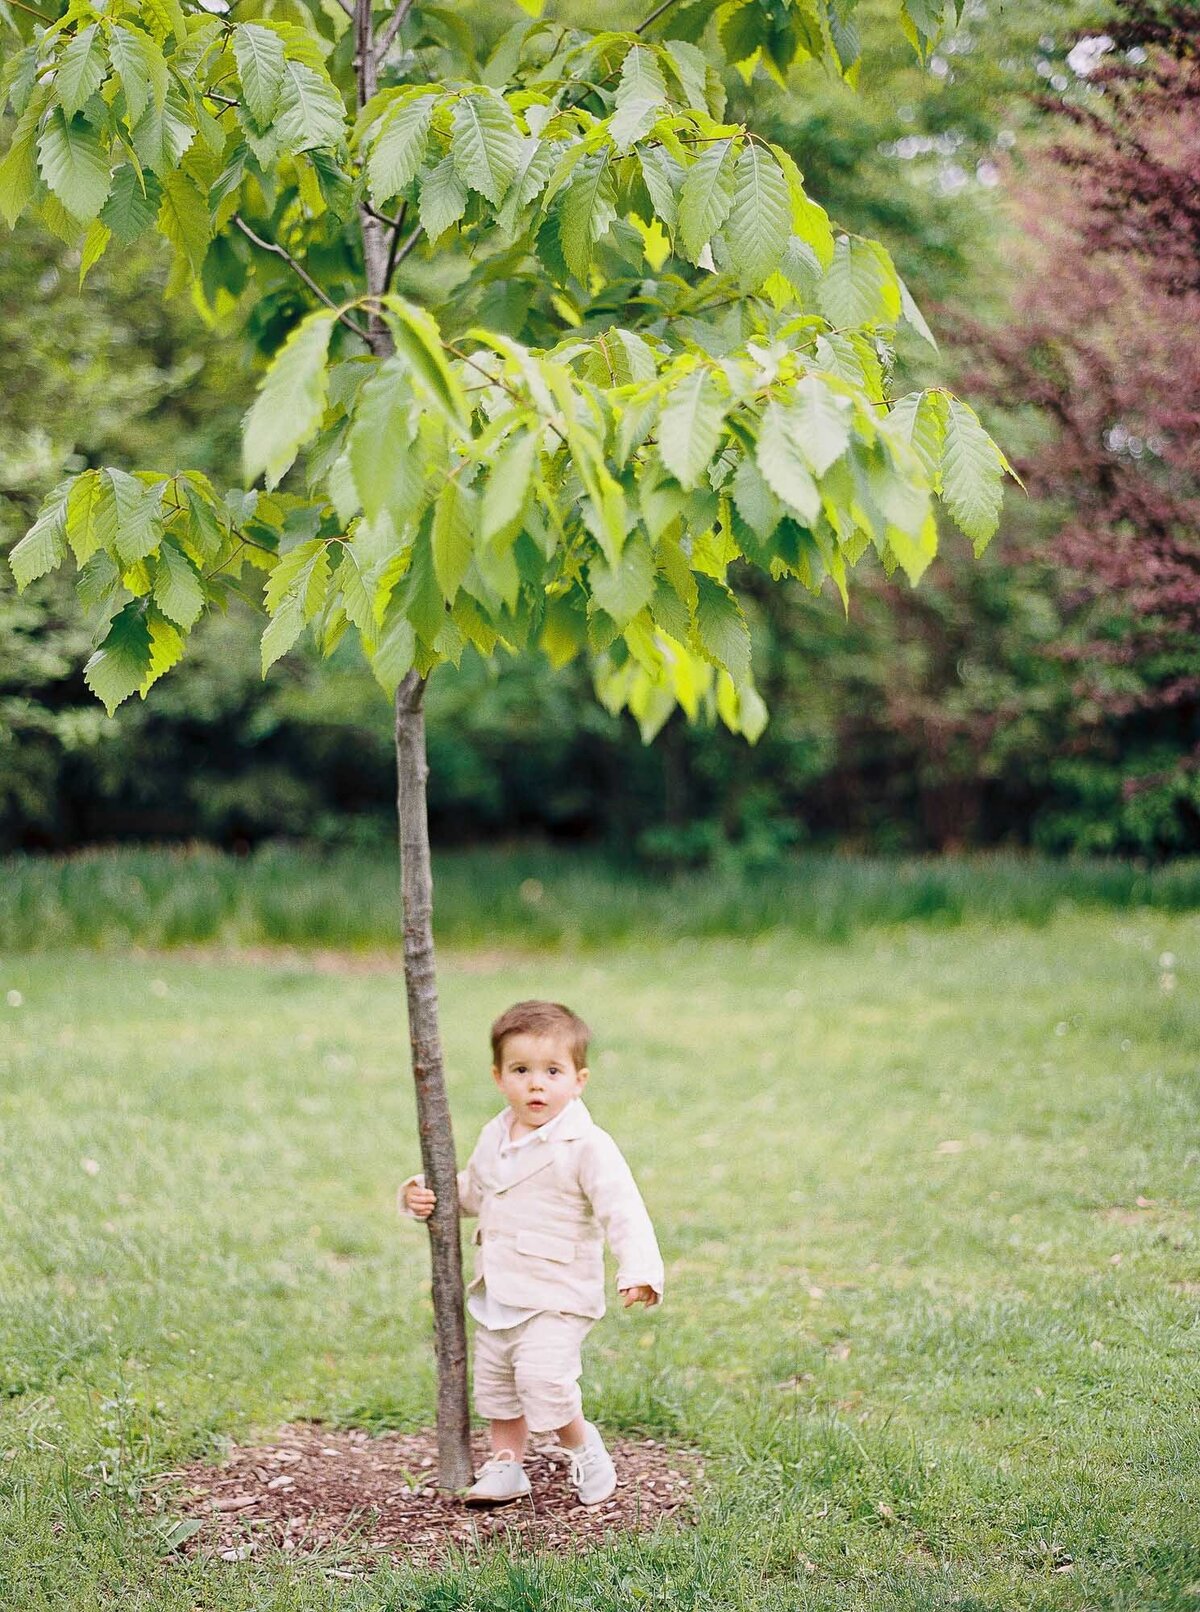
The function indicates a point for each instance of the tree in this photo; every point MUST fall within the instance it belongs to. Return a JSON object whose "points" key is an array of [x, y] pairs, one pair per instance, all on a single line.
{"points": [[653, 359], [1112, 213]]}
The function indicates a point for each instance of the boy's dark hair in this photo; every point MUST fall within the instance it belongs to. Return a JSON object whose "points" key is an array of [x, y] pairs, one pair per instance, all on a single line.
{"points": [[541, 1018]]}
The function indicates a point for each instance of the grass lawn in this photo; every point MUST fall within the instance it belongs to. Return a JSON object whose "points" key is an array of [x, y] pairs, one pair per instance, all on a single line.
{"points": [[928, 1200]]}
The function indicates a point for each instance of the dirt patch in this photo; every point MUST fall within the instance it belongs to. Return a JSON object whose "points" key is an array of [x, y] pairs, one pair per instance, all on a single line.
{"points": [[363, 1500]]}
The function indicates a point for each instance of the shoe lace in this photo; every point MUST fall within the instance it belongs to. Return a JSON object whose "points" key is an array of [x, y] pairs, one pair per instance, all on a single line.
{"points": [[582, 1460], [497, 1462]]}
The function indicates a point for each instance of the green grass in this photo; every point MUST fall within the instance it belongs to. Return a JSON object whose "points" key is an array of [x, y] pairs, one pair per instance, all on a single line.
{"points": [[927, 1376], [296, 896]]}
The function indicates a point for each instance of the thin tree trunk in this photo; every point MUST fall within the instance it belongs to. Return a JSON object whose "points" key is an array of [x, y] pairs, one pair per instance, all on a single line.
{"points": [[433, 1109]]}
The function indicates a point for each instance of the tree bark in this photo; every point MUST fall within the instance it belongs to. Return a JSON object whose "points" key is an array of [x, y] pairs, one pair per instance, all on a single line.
{"points": [[433, 1109]]}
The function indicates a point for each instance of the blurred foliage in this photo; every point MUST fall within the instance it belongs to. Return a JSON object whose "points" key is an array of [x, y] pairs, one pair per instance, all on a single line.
{"points": [[923, 720]]}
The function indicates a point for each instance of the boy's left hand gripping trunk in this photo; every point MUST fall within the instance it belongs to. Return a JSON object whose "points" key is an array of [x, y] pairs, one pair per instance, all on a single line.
{"points": [[433, 1109]]}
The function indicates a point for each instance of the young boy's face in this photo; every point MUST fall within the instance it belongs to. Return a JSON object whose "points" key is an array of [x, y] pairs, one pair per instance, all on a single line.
{"points": [[538, 1077]]}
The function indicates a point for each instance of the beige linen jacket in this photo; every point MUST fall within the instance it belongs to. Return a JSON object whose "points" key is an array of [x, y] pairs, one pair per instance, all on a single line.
{"points": [[539, 1244]]}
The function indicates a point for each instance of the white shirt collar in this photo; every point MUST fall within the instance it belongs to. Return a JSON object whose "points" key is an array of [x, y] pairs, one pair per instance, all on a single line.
{"points": [[542, 1134]]}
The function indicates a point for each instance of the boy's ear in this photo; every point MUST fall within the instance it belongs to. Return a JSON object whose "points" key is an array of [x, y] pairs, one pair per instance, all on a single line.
{"points": [[583, 1075], [496, 1073]]}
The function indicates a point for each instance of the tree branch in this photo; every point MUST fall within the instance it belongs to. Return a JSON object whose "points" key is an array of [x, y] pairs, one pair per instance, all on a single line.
{"points": [[648, 22], [298, 269], [391, 28]]}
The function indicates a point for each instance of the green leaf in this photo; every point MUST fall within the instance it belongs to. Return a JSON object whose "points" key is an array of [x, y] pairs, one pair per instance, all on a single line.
{"points": [[920, 419], [860, 285], [301, 574], [663, 177], [625, 588], [166, 648], [398, 149], [422, 597], [914, 316], [80, 70], [165, 17], [784, 466], [311, 112], [44, 546], [443, 198], [587, 209], [95, 244], [453, 519], [73, 165], [394, 653], [503, 500], [97, 581], [641, 96], [690, 426], [721, 628], [120, 665], [418, 342], [281, 632], [705, 196], [485, 145], [820, 418], [18, 172], [260, 60], [142, 69], [178, 591], [290, 402], [183, 218], [130, 209], [972, 475], [164, 133], [382, 448], [138, 512], [536, 163], [85, 502], [759, 222]]}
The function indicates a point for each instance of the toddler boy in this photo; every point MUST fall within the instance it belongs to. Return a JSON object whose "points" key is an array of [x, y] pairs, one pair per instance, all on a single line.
{"points": [[548, 1186]]}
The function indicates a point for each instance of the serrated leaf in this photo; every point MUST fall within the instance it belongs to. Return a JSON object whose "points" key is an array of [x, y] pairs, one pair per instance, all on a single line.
{"points": [[756, 503], [625, 588], [311, 112], [382, 448], [534, 167], [784, 466], [301, 574], [138, 518], [95, 244], [453, 520], [44, 546], [663, 176], [394, 653], [166, 648], [721, 628], [163, 133], [87, 495], [860, 286], [972, 475], [691, 69], [73, 165], [165, 17], [130, 210], [920, 418], [141, 68], [183, 218], [641, 95], [120, 665], [706, 196], [503, 498], [260, 60], [422, 597], [398, 148], [290, 402], [759, 221], [690, 426], [914, 316], [443, 199], [80, 70], [178, 591], [418, 342], [821, 420], [585, 213], [18, 171], [485, 145], [281, 632]]}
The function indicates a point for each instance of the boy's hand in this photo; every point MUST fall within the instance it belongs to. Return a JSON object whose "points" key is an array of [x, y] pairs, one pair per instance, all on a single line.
{"points": [[419, 1200], [639, 1295]]}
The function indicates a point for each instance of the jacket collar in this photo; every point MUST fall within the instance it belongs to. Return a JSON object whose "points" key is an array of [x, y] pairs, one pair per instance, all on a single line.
{"points": [[576, 1121]]}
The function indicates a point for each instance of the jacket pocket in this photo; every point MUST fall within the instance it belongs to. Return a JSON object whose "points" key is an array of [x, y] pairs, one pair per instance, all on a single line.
{"points": [[543, 1247]]}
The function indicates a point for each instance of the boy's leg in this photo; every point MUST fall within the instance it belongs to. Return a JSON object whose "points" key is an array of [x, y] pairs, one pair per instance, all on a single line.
{"points": [[573, 1435], [547, 1368], [511, 1433]]}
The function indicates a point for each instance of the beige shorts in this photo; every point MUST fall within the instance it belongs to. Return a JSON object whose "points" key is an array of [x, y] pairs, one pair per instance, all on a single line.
{"points": [[531, 1370]]}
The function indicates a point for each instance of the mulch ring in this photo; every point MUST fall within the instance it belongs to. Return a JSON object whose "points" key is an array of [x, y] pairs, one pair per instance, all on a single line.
{"points": [[364, 1499]]}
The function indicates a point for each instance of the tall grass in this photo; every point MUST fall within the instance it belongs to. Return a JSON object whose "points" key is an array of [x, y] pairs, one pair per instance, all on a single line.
{"points": [[290, 895]]}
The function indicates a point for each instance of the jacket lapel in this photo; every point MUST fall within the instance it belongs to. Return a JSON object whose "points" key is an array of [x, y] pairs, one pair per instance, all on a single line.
{"points": [[537, 1155]]}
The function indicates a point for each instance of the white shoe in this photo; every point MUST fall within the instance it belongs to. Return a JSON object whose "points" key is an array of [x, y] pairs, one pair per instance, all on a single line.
{"points": [[593, 1476], [500, 1480]]}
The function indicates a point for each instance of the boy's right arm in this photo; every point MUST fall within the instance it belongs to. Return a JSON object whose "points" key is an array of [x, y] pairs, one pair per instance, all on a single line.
{"points": [[415, 1201]]}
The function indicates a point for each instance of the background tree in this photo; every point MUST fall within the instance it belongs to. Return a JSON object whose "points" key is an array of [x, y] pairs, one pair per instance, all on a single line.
{"points": [[1112, 209], [654, 359]]}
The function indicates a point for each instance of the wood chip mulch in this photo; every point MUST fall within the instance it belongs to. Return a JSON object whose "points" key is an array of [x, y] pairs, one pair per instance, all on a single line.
{"points": [[360, 1500]]}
